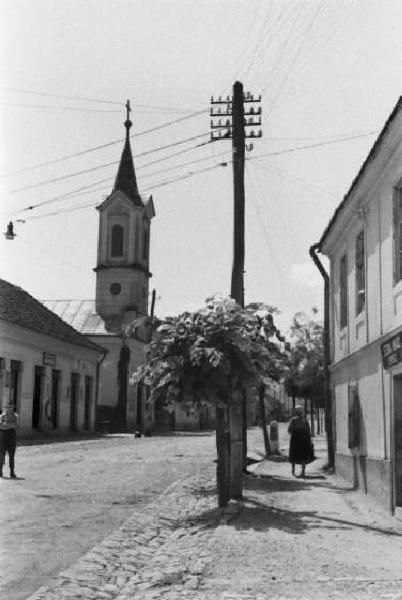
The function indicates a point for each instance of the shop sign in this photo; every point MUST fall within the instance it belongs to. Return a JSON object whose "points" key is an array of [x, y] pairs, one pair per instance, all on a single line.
{"points": [[391, 351], [49, 359]]}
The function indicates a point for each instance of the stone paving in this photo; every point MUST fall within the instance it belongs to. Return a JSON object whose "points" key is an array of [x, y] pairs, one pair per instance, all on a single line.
{"points": [[162, 550], [289, 539]]}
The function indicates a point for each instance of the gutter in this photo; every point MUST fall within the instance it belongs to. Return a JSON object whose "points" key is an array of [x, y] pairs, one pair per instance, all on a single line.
{"points": [[327, 359]]}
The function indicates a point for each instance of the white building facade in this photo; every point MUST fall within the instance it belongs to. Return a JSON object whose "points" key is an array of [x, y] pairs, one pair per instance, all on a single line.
{"points": [[47, 369], [364, 244]]}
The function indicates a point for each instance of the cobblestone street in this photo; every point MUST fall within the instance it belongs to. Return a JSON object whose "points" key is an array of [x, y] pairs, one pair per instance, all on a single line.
{"points": [[288, 539]]}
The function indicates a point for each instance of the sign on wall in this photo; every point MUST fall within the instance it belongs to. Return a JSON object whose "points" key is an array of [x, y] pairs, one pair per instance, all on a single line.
{"points": [[391, 351], [49, 359]]}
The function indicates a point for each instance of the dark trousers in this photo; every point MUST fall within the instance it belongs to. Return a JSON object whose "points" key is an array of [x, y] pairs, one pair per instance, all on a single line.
{"points": [[8, 443]]}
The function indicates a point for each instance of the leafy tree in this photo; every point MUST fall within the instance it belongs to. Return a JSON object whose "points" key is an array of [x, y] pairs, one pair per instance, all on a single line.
{"points": [[208, 356], [306, 372]]}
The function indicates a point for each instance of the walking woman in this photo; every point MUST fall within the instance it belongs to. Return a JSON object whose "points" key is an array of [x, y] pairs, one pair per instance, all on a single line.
{"points": [[9, 422], [301, 449]]}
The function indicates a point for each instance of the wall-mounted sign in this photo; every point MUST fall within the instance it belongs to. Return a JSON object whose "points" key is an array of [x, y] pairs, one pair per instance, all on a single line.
{"points": [[391, 351], [49, 359]]}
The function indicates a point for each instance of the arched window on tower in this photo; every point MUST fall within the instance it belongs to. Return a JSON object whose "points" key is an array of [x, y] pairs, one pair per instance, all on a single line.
{"points": [[117, 241]]}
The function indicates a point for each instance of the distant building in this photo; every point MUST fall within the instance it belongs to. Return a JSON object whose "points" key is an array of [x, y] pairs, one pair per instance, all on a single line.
{"points": [[48, 370], [364, 244], [117, 318]]}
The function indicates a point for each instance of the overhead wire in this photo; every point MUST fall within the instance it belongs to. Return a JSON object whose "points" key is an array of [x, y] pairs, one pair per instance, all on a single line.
{"points": [[155, 186], [106, 145], [300, 181], [307, 146], [274, 33], [293, 63], [92, 100], [252, 158], [107, 179], [61, 96], [104, 165], [261, 220]]}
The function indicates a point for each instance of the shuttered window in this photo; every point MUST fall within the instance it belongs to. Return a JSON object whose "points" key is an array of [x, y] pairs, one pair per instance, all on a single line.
{"points": [[343, 291], [360, 270]]}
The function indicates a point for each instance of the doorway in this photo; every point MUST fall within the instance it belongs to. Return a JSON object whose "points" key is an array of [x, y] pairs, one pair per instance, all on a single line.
{"points": [[398, 439], [37, 397], [54, 414], [74, 401], [87, 407]]}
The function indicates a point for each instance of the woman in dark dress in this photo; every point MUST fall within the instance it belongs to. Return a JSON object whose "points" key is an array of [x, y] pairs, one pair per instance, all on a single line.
{"points": [[301, 449]]}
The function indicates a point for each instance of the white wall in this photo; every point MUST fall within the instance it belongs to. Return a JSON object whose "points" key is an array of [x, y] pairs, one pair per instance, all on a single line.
{"points": [[27, 346]]}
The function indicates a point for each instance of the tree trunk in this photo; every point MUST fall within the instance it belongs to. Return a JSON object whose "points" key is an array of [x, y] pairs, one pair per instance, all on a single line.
{"points": [[223, 456], [261, 395], [236, 446], [244, 427]]}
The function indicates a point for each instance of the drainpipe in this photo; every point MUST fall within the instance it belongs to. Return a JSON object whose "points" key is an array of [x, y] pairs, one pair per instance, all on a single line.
{"points": [[327, 390]]}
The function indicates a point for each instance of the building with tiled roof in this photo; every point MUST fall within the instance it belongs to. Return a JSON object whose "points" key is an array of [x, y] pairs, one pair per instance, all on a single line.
{"points": [[48, 370]]}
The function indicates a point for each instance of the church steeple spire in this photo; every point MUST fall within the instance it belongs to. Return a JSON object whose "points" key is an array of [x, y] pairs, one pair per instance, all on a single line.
{"points": [[126, 180]]}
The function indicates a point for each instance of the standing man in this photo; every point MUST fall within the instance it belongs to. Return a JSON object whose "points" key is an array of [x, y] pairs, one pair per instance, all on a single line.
{"points": [[9, 423]]}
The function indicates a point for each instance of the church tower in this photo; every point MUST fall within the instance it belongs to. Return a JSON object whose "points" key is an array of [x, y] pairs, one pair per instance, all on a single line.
{"points": [[122, 270]]}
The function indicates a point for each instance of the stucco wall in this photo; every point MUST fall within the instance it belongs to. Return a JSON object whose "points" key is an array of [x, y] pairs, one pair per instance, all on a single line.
{"points": [[27, 347]]}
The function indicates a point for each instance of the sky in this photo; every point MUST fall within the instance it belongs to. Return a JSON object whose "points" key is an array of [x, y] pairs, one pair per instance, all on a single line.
{"points": [[329, 74]]}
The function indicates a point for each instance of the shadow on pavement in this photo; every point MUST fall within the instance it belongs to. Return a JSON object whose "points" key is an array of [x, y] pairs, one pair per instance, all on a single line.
{"points": [[271, 483]]}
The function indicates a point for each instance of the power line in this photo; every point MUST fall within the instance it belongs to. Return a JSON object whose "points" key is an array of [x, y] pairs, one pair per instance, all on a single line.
{"points": [[92, 100], [104, 165], [298, 51], [80, 190], [153, 187], [106, 145], [305, 147], [64, 97], [71, 108]]}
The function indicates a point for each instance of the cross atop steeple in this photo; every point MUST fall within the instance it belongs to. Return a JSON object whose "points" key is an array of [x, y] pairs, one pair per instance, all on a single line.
{"points": [[126, 180], [128, 123]]}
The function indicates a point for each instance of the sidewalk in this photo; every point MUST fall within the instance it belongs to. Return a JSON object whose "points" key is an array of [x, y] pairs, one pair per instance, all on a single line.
{"points": [[289, 538]]}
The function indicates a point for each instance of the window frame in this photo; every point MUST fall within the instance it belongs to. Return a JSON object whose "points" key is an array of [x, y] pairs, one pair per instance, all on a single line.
{"points": [[360, 272], [343, 291], [115, 240]]}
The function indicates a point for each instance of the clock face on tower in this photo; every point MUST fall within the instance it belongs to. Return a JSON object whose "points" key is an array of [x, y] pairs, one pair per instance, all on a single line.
{"points": [[115, 289]]}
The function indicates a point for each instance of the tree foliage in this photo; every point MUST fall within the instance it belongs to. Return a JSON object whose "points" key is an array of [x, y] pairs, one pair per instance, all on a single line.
{"points": [[306, 371], [202, 357]]}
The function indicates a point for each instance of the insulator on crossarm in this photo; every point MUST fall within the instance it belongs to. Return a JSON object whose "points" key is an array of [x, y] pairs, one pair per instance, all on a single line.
{"points": [[220, 98], [259, 110], [252, 133], [212, 98], [260, 133], [251, 110]]}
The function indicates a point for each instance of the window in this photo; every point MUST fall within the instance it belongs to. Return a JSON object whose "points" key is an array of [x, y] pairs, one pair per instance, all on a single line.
{"points": [[397, 235], [360, 270], [117, 242], [343, 291]]}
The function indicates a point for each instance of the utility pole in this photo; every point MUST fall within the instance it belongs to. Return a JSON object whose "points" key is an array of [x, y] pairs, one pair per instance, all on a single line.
{"points": [[230, 120]]}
